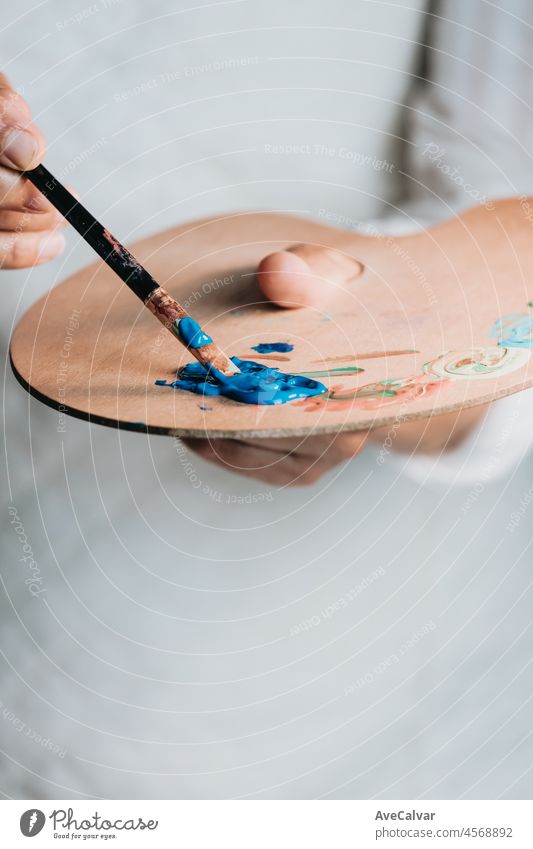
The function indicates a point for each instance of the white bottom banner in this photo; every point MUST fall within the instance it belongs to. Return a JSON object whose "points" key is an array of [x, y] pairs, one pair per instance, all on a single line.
{"points": [[269, 824]]}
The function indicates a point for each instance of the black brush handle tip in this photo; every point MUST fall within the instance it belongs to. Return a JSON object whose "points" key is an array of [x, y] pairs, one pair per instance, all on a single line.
{"points": [[114, 254]]}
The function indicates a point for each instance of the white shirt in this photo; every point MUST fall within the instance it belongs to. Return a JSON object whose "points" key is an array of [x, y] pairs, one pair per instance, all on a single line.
{"points": [[366, 637]]}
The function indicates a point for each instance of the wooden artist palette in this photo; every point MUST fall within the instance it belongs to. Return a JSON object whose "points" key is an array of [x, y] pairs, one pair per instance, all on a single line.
{"points": [[417, 322]]}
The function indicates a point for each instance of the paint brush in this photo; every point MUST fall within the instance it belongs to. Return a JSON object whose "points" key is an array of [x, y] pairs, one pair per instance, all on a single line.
{"points": [[160, 303]]}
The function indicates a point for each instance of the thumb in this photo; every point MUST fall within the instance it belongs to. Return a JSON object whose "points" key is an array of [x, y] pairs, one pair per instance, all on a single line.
{"points": [[306, 275], [21, 142]]}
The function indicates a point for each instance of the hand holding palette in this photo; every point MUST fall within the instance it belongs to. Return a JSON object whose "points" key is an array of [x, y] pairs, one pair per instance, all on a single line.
{"points": [[437, 321]]}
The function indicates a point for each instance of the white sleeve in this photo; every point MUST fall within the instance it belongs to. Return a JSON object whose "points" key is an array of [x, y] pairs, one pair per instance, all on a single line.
{"points": [[469, 140]]}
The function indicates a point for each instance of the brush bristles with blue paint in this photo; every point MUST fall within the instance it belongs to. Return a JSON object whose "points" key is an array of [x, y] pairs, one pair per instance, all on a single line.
{"points": [[123, 263]]}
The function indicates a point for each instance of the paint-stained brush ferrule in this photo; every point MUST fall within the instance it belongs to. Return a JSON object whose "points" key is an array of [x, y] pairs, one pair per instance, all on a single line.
{"points": [[163, 306]]}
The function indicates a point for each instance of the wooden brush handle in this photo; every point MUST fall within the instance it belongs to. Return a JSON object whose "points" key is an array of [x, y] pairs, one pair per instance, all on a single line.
{"points": [[169, 313]]}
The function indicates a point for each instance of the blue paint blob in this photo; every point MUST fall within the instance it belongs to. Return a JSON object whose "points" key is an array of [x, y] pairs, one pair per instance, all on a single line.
{"points": [[273, 347], [514, 331], [192, 334], [254, 384]]}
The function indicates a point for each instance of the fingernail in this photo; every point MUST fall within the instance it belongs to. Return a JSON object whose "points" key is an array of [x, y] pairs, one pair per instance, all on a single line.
{"points": [[51, 246], [19, 149], [38, 203]]}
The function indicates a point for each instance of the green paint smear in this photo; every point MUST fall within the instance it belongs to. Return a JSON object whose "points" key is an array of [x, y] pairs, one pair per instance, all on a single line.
{"points": [[333, 372], [361, 393]]}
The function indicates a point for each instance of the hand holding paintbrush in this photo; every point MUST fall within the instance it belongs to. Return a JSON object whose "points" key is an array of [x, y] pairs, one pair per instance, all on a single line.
{"points": [[171, 314]]}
